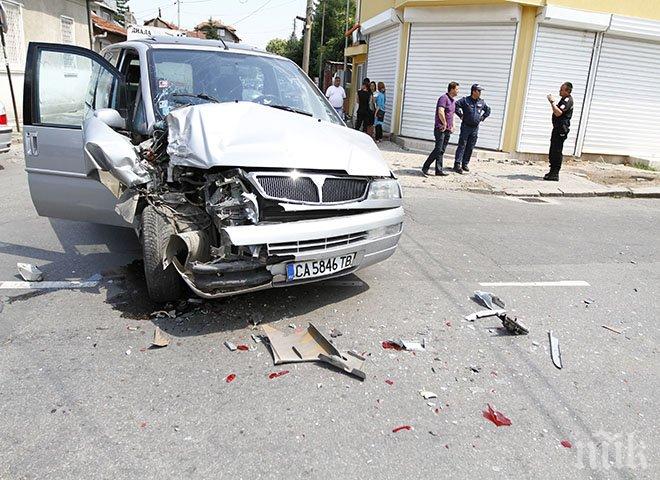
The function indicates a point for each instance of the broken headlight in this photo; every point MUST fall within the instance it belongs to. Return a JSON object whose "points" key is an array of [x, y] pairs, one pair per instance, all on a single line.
{"points": [[384, 189]]}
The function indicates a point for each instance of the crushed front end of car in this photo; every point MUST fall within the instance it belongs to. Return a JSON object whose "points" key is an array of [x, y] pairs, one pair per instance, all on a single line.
{"points": [[253, 197]]}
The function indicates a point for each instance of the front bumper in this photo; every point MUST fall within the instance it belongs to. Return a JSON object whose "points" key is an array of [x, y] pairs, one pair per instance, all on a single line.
{"points": [[5, 139], [372, 236]]}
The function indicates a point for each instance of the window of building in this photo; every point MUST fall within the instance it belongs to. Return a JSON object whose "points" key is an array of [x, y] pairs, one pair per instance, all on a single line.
{"points": [[14, 35], [66, 27]]}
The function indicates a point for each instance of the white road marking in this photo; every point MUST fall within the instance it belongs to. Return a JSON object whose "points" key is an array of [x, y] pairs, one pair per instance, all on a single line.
{"points": [[563, 283], [91, 282]]}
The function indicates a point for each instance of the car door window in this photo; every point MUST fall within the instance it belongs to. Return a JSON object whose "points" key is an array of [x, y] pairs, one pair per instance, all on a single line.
{"points": [[69, 86]]}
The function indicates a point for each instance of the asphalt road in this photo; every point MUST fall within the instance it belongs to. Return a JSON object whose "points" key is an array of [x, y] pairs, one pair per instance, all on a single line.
{"points": [[81, 396]]}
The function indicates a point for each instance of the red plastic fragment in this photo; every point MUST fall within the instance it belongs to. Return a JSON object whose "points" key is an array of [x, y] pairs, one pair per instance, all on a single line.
{"points": [[243, 347], [389, 382], [230, 378], [391, 345], [498, 418], [437, 410], [566, 444], [277, 374], [402, 427]]}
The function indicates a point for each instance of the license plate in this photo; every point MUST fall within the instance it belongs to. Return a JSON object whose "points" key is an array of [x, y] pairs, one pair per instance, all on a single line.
{"points": [[319, 268]]}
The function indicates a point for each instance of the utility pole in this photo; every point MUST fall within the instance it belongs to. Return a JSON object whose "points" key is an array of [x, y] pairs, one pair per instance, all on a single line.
{"points": [[178, 14], [343, 74], [321, 47], [308, 36]]}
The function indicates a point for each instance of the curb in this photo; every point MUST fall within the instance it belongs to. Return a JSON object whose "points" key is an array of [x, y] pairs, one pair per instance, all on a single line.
{"points": [[649, 192]]}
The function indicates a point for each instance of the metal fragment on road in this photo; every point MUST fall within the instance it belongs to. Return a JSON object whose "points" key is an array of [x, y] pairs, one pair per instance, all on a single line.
{"points": [[334, 333], [611, 329], [484, 314], [427, 395], [230, 346], [513, 325], [555, 352], [488, 300], [29, 272], [160, 339]]}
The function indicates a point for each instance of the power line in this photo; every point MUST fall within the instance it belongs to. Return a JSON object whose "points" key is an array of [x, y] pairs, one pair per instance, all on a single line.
{"points": [[252, 13]]}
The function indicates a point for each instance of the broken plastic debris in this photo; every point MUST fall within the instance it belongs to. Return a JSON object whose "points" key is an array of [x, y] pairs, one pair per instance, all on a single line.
{"points": [[256, 338], [243, 348], [410, 345], [566, 444], [611, 329], [588, 301], [401, 427], [388, 344], [277, 374], [498, 418], [513, 325], [230, 346], [334, 333], [488, 300], [389, 382], [29, 272], [555, 352], [427, 395], [160, 339], [483, 314], [163, 313], [230, 378]]}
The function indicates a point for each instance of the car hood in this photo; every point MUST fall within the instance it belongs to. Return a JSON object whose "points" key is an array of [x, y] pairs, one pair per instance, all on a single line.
{"points": [[250, 135]]}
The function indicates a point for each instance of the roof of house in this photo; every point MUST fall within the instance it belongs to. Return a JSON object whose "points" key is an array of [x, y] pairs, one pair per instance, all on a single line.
{"points": [[169, 25], [108, 26]]}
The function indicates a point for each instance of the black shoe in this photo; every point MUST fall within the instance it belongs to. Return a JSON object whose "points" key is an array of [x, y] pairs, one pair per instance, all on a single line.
{"points": [[465, 168], [425, 172], [458, 169], [551, 177], [440, 173]]}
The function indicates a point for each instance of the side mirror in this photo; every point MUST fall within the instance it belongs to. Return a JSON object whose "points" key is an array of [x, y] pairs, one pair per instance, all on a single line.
{"points": [[110, 117]]}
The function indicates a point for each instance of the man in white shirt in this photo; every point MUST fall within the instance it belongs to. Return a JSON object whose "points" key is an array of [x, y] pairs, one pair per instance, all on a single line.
{"points": [[336, 94]]}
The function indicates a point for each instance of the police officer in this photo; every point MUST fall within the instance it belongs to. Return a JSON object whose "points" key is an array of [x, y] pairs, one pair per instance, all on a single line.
{"points": [[472, 111], [562, 111]]}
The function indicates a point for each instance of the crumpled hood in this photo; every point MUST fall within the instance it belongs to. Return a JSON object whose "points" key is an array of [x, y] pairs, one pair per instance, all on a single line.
{"points": [[246, 134]]}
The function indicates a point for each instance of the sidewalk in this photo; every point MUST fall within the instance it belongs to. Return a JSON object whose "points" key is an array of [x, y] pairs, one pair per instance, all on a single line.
{"points": [[501, 176]]}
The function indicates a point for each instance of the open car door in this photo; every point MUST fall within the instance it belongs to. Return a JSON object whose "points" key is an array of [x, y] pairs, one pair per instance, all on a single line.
{"points": [[64, 84]]}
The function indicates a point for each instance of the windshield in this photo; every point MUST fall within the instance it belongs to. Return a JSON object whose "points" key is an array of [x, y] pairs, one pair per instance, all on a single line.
{"points": [[189, 77]]}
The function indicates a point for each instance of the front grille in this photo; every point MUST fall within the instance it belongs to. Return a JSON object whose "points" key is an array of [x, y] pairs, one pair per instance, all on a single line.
{"points": [[315, 244], [301, 189], [343, 189]]}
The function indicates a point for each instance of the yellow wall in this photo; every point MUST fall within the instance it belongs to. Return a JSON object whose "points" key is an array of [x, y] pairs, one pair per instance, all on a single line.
{"points": [[355, 81], [371, 8], [518, 85], [633, 8]]}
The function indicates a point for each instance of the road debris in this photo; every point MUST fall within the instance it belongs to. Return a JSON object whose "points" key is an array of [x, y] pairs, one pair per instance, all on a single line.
{"points": [[484, 314], [131, 328], [309, 345], [163, 314], [334, 333], [29, 272], [488, 300], [230, 378], [389, 382], [401, 427], [277, 374], [243, 348], [555, 353], [474, 368], [498, 418], [513, 325], [128, 352], [256, 338], [612, 329], [427, 395], [389, 345], [566, 444], [160, 339], [588, 301], [230, 346], [410, 345]]}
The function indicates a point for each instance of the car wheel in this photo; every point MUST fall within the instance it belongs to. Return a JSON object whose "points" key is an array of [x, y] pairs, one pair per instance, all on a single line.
{"points": [[163, 285]]}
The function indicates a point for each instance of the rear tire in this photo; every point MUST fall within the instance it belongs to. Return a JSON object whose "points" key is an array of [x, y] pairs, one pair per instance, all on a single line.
{"points": [[163, 285]]}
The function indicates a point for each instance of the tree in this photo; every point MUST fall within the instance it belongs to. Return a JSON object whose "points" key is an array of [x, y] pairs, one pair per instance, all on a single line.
{"points": [[291, 48], [210, 29], [277, 46], [122, 8]]}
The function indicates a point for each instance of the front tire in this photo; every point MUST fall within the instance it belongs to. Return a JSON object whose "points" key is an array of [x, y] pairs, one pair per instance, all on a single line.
{"points": [[163, 285]]}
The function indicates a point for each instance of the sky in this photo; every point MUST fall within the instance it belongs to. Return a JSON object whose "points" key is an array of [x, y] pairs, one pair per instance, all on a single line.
{"points": [[256, 21]]}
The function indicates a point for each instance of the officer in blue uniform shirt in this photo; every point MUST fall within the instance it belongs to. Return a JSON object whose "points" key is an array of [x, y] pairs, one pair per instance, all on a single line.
{"points": [[472, 110]]}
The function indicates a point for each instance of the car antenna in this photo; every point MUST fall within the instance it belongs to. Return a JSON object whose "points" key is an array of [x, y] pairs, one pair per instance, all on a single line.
{"points": [[223, 42]]}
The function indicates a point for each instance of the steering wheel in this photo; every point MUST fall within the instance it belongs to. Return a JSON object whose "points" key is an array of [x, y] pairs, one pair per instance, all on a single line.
{"points": [[265, 99]]}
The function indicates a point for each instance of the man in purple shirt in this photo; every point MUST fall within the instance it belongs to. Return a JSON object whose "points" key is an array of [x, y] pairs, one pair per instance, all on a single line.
{"points": [[444, 127]]}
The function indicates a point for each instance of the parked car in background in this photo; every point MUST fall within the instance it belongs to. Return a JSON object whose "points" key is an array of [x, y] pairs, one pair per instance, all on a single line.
{"points": [[5, 130], [233, 168]]}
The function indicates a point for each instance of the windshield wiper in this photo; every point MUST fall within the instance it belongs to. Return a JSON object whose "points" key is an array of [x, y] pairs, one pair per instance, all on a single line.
{"points": [[203, 96], [290, 109]]}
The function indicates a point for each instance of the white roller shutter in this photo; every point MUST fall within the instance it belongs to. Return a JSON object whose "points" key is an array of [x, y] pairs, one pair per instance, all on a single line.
{"points": [[624, 118], [467, 54], [382, 63], [560, 55]]}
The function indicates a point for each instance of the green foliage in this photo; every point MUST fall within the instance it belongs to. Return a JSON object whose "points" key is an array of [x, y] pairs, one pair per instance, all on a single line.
{"points": [[210, 29], [120, 16], [333, 36]]}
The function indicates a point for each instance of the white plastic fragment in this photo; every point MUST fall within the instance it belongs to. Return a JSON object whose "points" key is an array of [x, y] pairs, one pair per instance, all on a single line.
{"points": [[427, 395], [29, 272], [230, 346]]}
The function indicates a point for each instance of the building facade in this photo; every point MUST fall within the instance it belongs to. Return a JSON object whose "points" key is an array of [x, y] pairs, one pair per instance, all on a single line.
{"points": [[53, 21], [520, 51]]}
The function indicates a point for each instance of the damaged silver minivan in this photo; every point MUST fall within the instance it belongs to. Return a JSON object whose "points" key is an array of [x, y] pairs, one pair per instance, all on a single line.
{"points": [[231, 166]]}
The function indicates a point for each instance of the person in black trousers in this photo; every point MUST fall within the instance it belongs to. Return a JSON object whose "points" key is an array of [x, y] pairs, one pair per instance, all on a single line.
{"points": [[562, 111], [364, 116]]}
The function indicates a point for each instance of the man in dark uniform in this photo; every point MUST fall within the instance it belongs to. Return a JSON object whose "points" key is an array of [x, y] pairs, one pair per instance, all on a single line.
{"points": [[472, 111], [562, 111]]}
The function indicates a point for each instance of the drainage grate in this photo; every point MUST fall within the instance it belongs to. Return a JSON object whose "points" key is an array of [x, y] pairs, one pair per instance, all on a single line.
{"points": [[533, 199]]}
